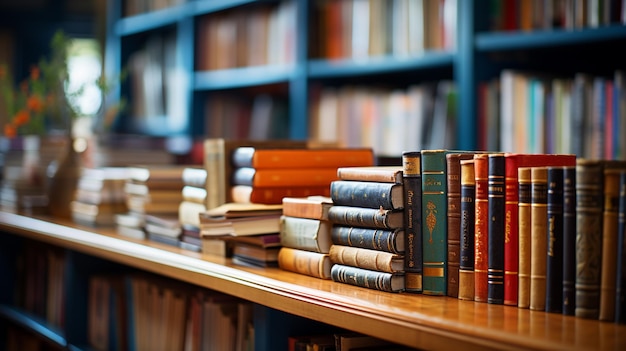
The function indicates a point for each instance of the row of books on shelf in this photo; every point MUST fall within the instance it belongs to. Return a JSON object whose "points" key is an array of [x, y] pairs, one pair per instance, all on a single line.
{"points": [[358, 29], [539, 113], [554, 14], [421, 203], [242, 37], [389, 121]]}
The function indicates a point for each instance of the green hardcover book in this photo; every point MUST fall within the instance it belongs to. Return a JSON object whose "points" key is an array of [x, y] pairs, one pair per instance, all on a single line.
{"points": [[434, 222]]}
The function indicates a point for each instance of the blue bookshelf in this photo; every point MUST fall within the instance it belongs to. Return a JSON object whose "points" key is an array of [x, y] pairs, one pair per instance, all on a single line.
{"points": [[244, 77]]}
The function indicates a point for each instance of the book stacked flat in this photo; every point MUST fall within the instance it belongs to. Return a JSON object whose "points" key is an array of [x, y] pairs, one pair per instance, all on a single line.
{"points": [[305, 236], [368, 234], [194, 194], [246, 232], [153, 197], [268, 175], [99, 196]]}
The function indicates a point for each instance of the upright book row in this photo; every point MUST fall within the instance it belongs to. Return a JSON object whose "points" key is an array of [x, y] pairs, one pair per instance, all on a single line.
{"points": [[543, 232]]}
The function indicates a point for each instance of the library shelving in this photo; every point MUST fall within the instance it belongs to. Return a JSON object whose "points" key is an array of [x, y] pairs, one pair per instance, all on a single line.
{"points": [[286, 303]]}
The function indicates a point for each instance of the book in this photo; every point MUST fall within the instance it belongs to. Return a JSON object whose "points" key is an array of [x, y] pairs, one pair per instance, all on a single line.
{"points": [[313, 207], [217, 162], [412, 186], [305, 262], [240, 219], [481, 225], [388, 196], [389, 240], [554, 259], [365, 258], [320, 158], [284, 177], [158, 176], [274, 195], [609, 241], [453, 164], [620, 291], [366, 217], [305, 233], [466, 256], [382, 174], [195, 176], [255, 255], [524, 229], [365, 278], [569, 240], [189, 212], [538, 236], [434, 221], [589, 178], [513, 161], [495, 229], [194, 194]]}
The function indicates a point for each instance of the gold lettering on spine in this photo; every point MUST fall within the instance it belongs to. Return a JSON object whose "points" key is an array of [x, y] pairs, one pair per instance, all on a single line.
{"points": [[431, 219], [507, 227], [552, 238]]}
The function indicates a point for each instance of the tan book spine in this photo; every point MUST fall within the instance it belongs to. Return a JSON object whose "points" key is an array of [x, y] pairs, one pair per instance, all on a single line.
{"points": [[314, 208], [309, 263], [524, 237], [365, 258], [609, 244], [538, 237]]}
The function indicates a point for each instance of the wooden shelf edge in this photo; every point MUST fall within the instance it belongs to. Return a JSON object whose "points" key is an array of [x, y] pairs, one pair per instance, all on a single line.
{"points": [[420, 321]]}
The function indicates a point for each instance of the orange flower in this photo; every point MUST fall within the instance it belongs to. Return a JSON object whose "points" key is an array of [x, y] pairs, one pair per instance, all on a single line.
{"points": [[34, 72], [10, 131], [34, 103], [3, 71], [21, 118]]}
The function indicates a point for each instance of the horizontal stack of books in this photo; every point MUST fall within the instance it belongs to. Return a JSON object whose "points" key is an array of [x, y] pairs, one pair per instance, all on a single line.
{"points": [[269, 175], [99, 196], [368, 214], [305, 236]]}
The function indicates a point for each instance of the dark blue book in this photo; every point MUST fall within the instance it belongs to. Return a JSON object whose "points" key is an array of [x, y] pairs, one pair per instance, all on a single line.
{"points": [[388, 196], [388, 240], [620, 297], [412, 185], [495, 275], [468, 215], [554, 259], [365, 278], [569, 241]]}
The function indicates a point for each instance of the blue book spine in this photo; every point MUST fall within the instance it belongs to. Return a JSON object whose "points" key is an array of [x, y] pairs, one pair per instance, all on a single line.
{"points": [[569, 240], [388, 240], [554, 259], [495, 273], [367, 194]]}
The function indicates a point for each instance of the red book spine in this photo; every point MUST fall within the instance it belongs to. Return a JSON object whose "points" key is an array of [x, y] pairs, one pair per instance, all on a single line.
{"points": [[511, 239], [481, 229]]}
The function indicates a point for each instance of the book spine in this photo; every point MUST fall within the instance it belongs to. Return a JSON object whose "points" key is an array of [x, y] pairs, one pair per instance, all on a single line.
{"points": [[454, 219], [554, 259], [495, 202], [312, 210], [248, 194], [412, 184], [366, 194], [303, 158], [511, 233], [589, 186], [365, 278], [284, 177], [305, 234], [364, 258], [524, 190], [374, 174], [214, 163], [360, 217], [620, 298], [435, 222], [538, 236], [466, 260], [309, 263], [481, 226], [609, 244], [368, 238], [569, 240]]}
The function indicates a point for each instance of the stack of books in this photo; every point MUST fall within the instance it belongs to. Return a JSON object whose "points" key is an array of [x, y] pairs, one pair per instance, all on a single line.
{"points": [[194, 202], [154, 194], [305, 236], [246, 232], [268, 175], [367, 239], [99, 196]]}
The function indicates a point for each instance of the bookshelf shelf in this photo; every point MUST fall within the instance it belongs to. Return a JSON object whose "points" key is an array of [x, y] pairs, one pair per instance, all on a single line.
{"points": [[242, 77], [376, 66], [428, 322], [51, 335], [203, 7], [518, 40], [153, 20]]}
